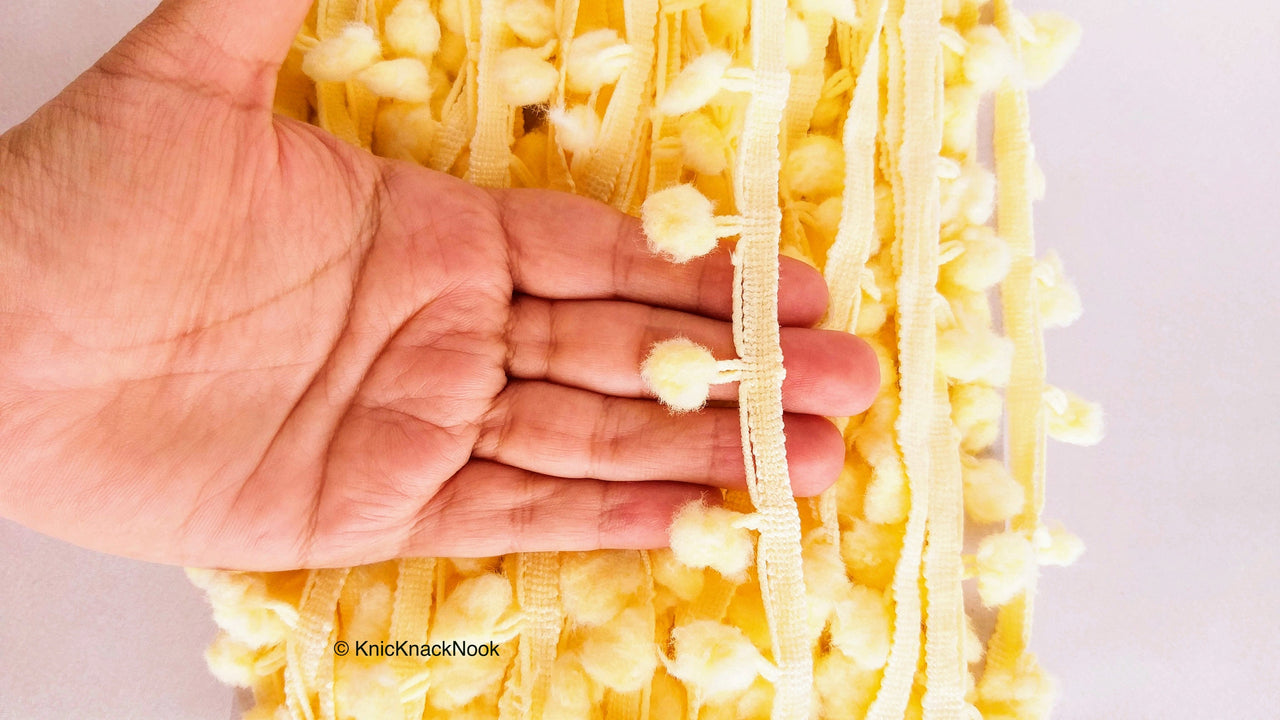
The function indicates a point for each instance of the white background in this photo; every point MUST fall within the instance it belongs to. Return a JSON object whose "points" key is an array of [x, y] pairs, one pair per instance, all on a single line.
{"points": [[1162, 153]]}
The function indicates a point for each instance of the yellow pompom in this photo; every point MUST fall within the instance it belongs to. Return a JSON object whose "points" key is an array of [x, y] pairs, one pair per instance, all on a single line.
{"points": [[969, 199], [404, 79], [231, 662], [456, 681], [815, 167], [531, 20], [1073, 419], [679, 222], [862, 627], [1056, 297], [712, 537], [1057, 546], [825, 579], [988, 60], [703, 145], [1004, 564], [870, 552], [523, 77], [886, 499], [1055, 38], [716, 659], [340, 57], [621, 655], [245, 608], [478, 609], [976, 410], [683, 581], [570, 696], [596, 586], [844, 690], [451, 16], [796, 41], [365, 688], [405, 131], [696, 84], [595, 59], [724, 20], [990, 492], [983, 261], [1024, 689], [973, 647], [577, 127], [412, 29], [365, 605], [975, 356], [680, 372]]}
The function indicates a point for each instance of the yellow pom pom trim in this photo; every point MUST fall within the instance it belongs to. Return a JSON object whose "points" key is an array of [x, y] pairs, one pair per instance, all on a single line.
{"points": [[412, 29], [341, 57], [713, 537], [404, 79], [680, 223], [524, 77], [681, 372], [1072, 419]]}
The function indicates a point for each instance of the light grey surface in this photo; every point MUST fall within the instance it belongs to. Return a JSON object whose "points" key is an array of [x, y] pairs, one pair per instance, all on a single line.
{"points": [[1163, 169]]}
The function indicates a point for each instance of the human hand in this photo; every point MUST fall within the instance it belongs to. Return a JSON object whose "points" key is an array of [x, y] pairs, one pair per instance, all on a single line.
{"points": [[231, 340]]}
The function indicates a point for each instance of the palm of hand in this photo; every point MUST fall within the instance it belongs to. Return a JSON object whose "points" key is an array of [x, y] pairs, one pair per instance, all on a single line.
{"points": [[246, 344]]}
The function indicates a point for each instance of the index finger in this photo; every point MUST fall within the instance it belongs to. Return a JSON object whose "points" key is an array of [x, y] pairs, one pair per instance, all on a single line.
{"points": [[566, 247]]}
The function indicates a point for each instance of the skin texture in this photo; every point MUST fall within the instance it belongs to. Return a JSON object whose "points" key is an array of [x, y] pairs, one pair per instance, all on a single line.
{"points": [[231, 340]]}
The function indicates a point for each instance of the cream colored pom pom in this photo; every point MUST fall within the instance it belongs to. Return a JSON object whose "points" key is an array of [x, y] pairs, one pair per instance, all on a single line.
{"points": [[405, 131], [1004, 564], [570, 696], [1056, 36], [524, 77], [990, 492], [404, 79], [531, 20], [870, 551], [696, 84], [621, 655], [596, 59], [680, 372], [844, 690], [983, 261], [341, 57], [715, 658], [1057, 546], [479, 609], [596, 586], [1073, 419], [976, 410], [703, 145], [365, 688], [975, 356], [862, 627], [679, 222], [412, 29], [1056, 297], [814, 168], [683, 581], [988, 60], [712, 537], [231, 662], [577, 128]]}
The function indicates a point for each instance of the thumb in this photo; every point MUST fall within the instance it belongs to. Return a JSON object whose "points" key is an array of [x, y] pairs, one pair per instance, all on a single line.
{"points": [[234, 47]]}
